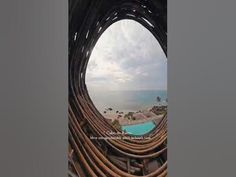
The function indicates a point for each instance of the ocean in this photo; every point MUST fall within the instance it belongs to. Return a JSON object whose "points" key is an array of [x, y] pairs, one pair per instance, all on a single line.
{"points": [[127, 100]]}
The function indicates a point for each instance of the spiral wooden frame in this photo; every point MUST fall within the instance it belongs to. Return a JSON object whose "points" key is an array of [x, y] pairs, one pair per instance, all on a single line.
{"points": [[109, 156]]}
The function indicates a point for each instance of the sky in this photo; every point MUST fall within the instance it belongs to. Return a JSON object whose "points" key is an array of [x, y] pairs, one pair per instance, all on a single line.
{"points": [[127, 57]]}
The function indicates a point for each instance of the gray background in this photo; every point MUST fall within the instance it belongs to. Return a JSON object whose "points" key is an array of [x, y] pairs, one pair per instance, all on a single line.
{"points": [[201, 88], [33, 90]]}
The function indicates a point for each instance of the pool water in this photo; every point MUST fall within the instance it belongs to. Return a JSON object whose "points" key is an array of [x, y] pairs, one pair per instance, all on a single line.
{"points": [[139, 129]]}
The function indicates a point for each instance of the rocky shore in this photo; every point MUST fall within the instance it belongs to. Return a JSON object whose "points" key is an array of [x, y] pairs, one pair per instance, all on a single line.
{"points": [[121, 118]]}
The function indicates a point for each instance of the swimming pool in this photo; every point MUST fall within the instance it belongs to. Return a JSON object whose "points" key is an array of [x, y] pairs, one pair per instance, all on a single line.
{"points": [[139, 129]]}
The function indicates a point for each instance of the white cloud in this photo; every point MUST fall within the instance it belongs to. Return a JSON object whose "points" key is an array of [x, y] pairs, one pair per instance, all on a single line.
{"points": [[127, 56]]}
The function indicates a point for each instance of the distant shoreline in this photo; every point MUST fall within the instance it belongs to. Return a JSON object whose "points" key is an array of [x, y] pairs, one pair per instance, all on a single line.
{"points": [[135, 117], [128, 100]]}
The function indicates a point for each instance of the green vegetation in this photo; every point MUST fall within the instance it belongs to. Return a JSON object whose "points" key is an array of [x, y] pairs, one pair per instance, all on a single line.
{"points": [[159, 110], [116, 124], [129, 115]]}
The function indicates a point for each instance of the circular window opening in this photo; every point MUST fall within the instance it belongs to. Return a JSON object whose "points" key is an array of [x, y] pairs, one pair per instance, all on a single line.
{"points": [[126, 77]]}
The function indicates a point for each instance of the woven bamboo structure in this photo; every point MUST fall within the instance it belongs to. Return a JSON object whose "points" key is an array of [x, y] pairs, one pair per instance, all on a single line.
{"points": [[111, 156]]}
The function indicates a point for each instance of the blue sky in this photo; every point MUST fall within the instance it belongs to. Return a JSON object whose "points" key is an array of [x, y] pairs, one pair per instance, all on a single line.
{"points": [[127, 57]]}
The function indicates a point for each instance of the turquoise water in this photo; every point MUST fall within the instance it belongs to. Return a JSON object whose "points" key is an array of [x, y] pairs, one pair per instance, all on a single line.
{"points": [[139, 129], [128, 100]]}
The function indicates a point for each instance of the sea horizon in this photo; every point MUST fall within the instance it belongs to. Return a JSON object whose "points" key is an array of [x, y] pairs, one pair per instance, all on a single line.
{"points": [[127, 100]]}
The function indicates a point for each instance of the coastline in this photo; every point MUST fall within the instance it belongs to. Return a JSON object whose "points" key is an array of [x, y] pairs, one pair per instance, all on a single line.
{"points": [[156, 119], [139, 117]]}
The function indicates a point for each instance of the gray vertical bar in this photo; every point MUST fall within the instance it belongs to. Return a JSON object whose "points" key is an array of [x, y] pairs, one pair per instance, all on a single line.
{"points": [[33, 89], [201, 88]]}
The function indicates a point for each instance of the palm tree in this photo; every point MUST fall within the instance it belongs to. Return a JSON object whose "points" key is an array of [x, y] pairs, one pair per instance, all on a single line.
{"points": [[158, 99]]}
